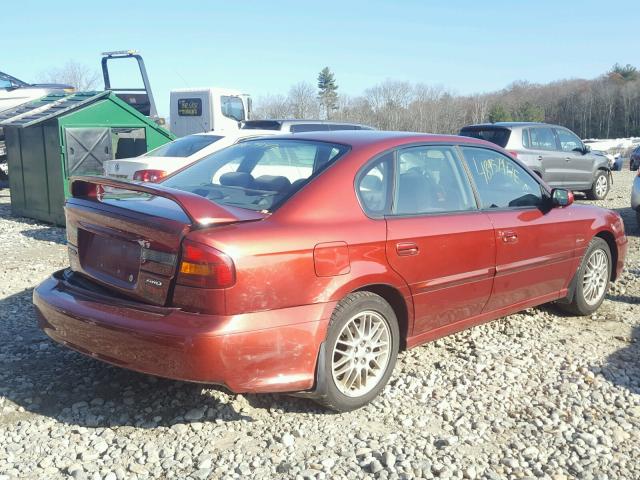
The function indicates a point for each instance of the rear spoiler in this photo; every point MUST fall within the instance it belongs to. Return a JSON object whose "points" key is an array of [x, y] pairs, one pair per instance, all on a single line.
{"points": [[200, 211]]}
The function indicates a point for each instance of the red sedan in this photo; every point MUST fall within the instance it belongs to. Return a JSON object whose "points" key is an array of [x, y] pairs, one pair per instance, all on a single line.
{"points": [[304, 264]]}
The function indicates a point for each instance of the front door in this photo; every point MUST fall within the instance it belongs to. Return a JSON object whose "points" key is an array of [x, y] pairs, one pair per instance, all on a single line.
{"points": [[534, 245], [437, 239], [544, 147], [578, 165]]}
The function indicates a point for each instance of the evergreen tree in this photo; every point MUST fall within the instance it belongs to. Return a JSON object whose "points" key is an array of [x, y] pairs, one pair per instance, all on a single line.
{"points": [[528, 112], [499, 114], [327, 91], [626, 73]]}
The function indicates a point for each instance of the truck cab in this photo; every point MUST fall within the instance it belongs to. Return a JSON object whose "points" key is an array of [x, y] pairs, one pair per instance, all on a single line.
{"points": [[198, 110]]}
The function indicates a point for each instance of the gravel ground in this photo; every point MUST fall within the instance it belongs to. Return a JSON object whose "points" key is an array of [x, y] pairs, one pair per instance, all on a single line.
{"points": [[535, 395]]}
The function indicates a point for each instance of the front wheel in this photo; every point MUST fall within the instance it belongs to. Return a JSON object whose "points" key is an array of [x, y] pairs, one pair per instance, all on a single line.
{"points": [[592, 279], [600, 186], [361, 349]]}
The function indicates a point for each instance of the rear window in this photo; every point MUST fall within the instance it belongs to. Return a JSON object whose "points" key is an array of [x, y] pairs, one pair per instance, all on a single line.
{"points": [[308, 127], [184, 147], [257, 174], [499, 136], [262, 125]]}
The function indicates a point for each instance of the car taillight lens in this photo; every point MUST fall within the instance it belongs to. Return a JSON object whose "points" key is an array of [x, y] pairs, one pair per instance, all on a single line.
{"points": [[513, 153], [149, 175], [205, 267]]}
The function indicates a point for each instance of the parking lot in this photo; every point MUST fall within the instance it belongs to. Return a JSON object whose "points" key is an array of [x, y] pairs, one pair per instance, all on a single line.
{"points": [[538, 394]]}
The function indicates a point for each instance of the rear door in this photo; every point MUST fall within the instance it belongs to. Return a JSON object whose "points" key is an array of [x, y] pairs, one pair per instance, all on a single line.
{"points": [[543, 145], [578, 166], [437, 239], [534, 246]]}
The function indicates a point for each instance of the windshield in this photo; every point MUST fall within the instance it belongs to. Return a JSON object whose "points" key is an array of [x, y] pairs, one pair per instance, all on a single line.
{"points": [[7, 81], [499, 136], [257, 174], [183, 147]]}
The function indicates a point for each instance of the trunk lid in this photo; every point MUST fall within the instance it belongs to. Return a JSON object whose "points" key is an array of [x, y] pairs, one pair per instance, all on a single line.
{"points": [[128, 237]]}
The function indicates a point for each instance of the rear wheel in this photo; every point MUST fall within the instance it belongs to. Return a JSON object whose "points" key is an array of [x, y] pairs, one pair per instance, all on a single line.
{"points": [[592, 279], [600, 186], [361, 350]]}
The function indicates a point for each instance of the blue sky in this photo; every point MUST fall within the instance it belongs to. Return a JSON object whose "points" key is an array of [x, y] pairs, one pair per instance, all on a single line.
{"points": [[263, 47]]}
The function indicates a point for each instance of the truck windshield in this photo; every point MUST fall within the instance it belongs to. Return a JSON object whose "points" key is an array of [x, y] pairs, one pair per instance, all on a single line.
{"points": [[257, 174], [184, 147]]}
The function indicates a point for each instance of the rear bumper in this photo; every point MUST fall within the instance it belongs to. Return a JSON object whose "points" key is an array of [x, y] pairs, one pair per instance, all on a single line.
{"points": [[272, 351]]}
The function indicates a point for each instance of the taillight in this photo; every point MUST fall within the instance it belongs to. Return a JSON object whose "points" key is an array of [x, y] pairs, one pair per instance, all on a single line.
{"points": [[205, 267], [513, 153], [149, 175], [87, 190]]}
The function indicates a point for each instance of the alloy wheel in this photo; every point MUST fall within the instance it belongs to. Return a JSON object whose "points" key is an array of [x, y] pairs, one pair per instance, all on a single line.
{"points": [[601, 186], [361, 354], [596, 273]]}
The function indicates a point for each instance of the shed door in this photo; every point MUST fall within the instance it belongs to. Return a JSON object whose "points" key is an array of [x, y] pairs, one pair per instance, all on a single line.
{"points": [[87, 149]]}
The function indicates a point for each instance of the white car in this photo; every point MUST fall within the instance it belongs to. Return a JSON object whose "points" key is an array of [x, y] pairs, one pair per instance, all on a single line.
{"points": [[168, 158]]}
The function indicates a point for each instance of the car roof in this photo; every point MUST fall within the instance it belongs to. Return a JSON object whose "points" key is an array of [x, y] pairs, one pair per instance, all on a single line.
{"points": [[239, 133], [512, 125], [388, 139], [295, 121]]}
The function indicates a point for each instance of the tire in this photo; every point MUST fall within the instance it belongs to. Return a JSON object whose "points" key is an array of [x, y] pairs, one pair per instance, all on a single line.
{"points": [[359, 309], [600, 186], [583, 303], [638, 218]]}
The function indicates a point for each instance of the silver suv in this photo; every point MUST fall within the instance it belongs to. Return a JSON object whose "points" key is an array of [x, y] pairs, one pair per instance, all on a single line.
{"points": [[555, 153]]}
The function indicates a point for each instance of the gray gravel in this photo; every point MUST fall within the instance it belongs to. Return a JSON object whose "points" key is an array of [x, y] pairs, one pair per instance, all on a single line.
{"points": [[535, 395]]}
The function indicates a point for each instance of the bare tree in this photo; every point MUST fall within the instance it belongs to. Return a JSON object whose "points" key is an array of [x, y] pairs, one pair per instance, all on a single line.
{"points": [[72, 73], [303, 101], [272, 106], [607, 106]]}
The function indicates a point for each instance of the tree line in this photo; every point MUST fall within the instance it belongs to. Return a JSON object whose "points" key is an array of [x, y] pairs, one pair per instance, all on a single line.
{"points": [[604, 107]]}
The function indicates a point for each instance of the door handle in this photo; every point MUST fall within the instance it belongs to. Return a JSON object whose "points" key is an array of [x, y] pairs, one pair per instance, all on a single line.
{"points": [[508, 236], [567, 158], [405, 249], [540, 158]]}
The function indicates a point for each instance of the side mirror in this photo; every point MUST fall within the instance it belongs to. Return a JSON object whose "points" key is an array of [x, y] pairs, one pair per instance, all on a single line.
{"points": [[561, 197]]}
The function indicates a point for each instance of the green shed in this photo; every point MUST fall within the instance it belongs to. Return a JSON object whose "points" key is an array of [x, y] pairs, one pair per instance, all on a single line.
{"points": [[58, 136]]}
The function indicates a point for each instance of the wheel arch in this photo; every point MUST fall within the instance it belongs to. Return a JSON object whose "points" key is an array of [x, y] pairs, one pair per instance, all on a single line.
{"points": [[608, 237], [398, 303]]}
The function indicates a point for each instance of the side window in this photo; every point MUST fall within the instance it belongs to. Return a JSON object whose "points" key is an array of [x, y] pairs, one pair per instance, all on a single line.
{"points": [[431, 179], [568, 141], [373, 185], [525, 138], [500, 181], [232, 107], [542, 138], [308, 127]]}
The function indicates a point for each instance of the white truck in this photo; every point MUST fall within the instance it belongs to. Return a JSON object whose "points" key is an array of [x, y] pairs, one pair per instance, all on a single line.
{"points": [[199, 110]]}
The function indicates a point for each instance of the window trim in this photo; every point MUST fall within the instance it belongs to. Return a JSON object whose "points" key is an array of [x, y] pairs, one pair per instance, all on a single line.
{"points": [[544, 191]]}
